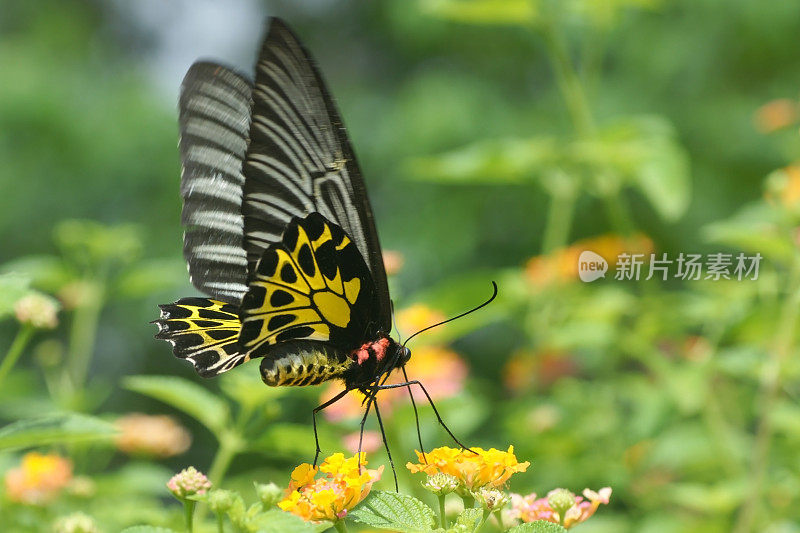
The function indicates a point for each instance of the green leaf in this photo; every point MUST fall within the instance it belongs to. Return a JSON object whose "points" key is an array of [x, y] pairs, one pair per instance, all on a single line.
{"points": [[54, 429], [185, 396], [540, 526], [277, 521], [392, 510], [470, 518], [13, 286], [46, 272], [147, 529]]}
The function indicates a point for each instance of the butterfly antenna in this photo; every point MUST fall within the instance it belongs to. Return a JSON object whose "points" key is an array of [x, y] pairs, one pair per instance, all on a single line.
{"points": [[465, 313]]}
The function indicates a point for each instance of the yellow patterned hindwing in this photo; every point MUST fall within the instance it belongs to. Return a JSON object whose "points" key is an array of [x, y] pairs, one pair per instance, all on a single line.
{"points": [[203, 331], [313, 285]]}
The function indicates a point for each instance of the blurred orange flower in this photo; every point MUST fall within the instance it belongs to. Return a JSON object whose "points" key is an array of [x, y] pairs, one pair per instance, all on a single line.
{"points": [[417, 317], [775, 115], [370, 443], [393, 262], [560, 506], [442, 371], [474, 468], [526, 369], [151, 435], [344, 485], [38, 479], [783, 187], [561, 266]]}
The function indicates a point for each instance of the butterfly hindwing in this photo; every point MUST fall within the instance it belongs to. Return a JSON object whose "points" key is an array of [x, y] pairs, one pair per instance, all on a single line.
{"points": [[203, 331], [312, 286]]}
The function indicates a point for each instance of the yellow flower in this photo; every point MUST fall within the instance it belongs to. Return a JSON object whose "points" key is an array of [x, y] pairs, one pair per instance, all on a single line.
{"points": [[38, 479], [330, 497], [474, 468], [417, 317], [151, 435]]}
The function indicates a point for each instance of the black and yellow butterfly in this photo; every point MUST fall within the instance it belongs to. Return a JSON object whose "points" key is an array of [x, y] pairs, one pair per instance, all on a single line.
{"points": [[279, 231]]}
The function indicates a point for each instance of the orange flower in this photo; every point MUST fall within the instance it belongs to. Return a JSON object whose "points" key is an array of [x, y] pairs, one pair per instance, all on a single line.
{"points": [[441, 370], [775, 115], [149, 435], [783, 187], [344, 485], [417, 317], [525, 369], [561, 266], [393, 262], [474, 468], [370, 443], [38, 479]]}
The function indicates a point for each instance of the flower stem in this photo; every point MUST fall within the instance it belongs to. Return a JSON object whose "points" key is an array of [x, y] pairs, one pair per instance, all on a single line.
{"points": [[768, 395], [188, 511], [559, 221], [340, 526], [220, 523], [17, 346], [442, 516]]}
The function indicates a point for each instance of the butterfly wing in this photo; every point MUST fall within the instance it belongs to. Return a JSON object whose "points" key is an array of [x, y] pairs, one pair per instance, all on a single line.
{"points": [[300, 161], [214, 126]]}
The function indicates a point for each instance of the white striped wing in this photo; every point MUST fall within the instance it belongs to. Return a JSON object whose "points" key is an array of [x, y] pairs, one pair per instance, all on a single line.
{"points": [[214, 124], [299, 160]]}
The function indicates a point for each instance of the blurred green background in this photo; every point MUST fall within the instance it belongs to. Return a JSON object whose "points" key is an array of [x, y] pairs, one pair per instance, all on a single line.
{"points": [[493, 135]]}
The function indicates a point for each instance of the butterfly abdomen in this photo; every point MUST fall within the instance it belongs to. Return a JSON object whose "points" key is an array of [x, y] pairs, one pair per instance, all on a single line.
{"points": [[203, 331], [310, 364]]}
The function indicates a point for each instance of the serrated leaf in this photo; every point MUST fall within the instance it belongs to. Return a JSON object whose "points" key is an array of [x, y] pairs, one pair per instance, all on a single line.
{"points": [[147, 529], [185, 396], [470, 517], [392, 510], [540, 526], [277, 521], [54, 429]]}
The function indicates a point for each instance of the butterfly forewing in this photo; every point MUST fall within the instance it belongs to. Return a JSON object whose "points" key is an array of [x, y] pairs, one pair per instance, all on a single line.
{"points": [[300, 160], [214, 126]]}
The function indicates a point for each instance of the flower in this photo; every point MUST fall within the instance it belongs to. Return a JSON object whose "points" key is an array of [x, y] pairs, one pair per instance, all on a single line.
{"points": [[75, 523], [776, 115], [37, 310], [441, 370], [417, 317], [370, 443], [188, 482], [783, 187], [491, 499], [344, 485], [441, 484], [151, 435], [525, 369], [560, 506], [561, 266], [475, 468], [393, 262], [38, 479], [269, 493]]}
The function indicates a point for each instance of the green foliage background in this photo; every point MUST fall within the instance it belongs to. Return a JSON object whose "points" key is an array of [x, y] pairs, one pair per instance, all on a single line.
{"points": [[489, 132]]}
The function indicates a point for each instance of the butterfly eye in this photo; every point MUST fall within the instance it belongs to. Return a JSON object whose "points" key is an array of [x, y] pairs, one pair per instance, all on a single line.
{"points": [[405, 354]]}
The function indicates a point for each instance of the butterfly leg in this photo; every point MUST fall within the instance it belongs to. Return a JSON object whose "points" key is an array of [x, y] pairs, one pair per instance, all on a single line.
{"points": [[369, 400], [416, 417], [386, 445], [314, 419], [430, 401]]}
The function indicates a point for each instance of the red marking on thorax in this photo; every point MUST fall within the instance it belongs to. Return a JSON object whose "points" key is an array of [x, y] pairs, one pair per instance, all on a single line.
{"points": [[377, 347]]}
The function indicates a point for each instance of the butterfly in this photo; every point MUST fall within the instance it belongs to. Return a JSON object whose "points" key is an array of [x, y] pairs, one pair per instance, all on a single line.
{"points": [[279, 232]]}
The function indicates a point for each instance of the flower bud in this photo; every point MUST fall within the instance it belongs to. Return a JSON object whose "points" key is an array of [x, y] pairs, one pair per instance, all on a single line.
{"points": [[220, 500], [560, 500], [269, 493], [441, 484], [75, 523], [188, 482], [37, 310], [491, 499]]}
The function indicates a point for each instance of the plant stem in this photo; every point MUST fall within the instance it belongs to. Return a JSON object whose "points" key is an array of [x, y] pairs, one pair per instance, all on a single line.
{"points": [[559, 221], [83, 335], [220, 523], [499, 515], [17, 346], [442, 517], [768, 394], [340, 526], [188, 511]]}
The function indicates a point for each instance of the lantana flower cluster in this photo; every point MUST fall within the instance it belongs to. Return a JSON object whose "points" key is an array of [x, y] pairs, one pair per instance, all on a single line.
{"points": [[39, 479], [345, 483], [560, 506], [474, 468]]}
